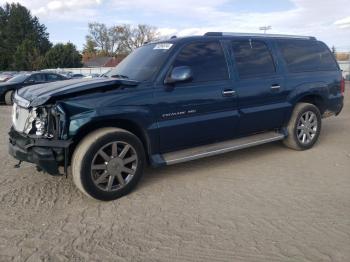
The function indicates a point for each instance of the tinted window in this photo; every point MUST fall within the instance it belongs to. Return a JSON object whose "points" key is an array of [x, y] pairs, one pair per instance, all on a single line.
{"points": [[206, 60], [306, 55], [18, 78], [37, 78], [252, 58], [52, 77]]}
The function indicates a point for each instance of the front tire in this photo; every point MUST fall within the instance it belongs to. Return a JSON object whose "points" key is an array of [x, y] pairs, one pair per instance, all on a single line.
{"points": [[9, 97], [304, 127], [108, 163]]}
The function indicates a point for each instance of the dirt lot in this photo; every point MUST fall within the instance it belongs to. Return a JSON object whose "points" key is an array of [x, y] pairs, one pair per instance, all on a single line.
{"points": [[266, 203]]}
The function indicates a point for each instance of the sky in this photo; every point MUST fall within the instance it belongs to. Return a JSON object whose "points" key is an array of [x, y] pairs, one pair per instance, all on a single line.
{"points": [[67, 20]]}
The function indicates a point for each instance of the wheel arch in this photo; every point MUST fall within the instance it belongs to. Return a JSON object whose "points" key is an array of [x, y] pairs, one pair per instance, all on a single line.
{"points": [[13, 90], [128, 125], [315, 99]]}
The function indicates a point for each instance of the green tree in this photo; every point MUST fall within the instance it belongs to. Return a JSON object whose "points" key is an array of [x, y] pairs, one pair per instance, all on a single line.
{"points": [[90, 47], [27, 57], [18, 30], [89, 50], [62, 56]]}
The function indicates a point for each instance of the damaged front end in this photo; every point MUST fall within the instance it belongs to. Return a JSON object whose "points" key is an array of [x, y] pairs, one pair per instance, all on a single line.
{"points": [[39, 132], [37, 135]]}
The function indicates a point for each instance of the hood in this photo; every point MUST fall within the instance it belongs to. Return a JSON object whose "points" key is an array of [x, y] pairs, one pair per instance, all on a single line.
{"points": [[2, 84], [39, 94]]}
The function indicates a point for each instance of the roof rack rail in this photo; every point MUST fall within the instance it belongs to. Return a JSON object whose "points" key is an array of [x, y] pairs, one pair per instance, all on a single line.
{"points": [[213, 34], [258, 35]]}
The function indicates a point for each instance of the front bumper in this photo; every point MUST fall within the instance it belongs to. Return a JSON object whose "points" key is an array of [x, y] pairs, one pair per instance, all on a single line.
{"points": [[47, 154]]}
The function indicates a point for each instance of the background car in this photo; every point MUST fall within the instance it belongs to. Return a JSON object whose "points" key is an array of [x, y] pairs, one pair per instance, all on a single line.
{"points": [[25, 79], [6, 76], [92, 76], [76, 76]]}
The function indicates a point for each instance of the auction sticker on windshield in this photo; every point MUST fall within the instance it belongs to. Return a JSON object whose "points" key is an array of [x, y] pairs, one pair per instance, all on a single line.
{"points": [[163, 46]]}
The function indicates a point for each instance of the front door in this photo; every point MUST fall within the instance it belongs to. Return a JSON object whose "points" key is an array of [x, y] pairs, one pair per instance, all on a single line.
{"points": [[35, 79], [202, 110]]}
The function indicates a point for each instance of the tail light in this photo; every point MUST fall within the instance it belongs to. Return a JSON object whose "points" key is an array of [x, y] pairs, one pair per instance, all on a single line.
{"points": [[342, 86]]}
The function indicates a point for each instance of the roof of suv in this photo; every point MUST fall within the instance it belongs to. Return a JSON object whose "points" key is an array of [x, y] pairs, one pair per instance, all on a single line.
{"points": [[259, 35], [236, 35]]}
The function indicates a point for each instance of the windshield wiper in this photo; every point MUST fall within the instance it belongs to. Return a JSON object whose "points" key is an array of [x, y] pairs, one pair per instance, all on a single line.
{"points": [[120, 76]]}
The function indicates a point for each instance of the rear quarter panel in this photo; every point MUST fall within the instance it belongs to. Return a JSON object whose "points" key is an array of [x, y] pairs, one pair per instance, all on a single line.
{"points": [[324, 84]]}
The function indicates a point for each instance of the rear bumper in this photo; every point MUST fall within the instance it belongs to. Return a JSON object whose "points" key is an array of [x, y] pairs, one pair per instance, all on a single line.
{"points": [[335, 105], [339, 109], [46, 154]]}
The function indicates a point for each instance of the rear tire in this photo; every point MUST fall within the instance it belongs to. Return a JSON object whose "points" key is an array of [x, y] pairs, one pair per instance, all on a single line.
{"points": [[304, 127], [8, 97], [108, 163]]}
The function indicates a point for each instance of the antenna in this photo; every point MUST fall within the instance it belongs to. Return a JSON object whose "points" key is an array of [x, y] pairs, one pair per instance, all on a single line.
{"points": [[265, 28]]}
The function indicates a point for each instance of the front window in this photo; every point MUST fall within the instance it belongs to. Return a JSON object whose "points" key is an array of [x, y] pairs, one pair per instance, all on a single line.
{"points": [[37, 78], [143, 63], [18, 78]]}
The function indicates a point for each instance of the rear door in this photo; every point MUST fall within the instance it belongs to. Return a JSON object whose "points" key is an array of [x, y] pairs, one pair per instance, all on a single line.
{"points": [[200, 111], [260, 86]]}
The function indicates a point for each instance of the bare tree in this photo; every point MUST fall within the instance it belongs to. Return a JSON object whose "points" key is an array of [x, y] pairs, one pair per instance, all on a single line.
{"points": [[98, 33], [119, 38], [115, 36], [133, 37], [334, 51]]}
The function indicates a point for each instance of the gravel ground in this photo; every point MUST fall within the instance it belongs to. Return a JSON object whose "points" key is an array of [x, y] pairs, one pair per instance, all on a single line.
{"points": [[266, 203]]}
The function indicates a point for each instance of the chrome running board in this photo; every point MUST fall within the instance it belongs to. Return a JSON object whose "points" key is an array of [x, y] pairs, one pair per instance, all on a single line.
{"points": [[220, 148]]}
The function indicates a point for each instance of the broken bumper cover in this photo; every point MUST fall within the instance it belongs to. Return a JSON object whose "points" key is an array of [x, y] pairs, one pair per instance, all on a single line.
{"points": [[45, 153]]}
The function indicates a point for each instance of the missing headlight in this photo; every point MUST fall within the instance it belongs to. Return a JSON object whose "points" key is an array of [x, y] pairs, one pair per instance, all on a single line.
{"points": [[41, 122], [36, 123], [40, 126], [44, 121]]}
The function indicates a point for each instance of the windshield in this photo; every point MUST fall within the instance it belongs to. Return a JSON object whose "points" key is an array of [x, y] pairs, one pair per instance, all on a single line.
{"points": [[143, 63], [18, 78]]}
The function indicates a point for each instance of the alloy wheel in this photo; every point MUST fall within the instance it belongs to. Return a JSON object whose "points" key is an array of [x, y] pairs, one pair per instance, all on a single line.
{"points": [[114, 166], [307, 127]]}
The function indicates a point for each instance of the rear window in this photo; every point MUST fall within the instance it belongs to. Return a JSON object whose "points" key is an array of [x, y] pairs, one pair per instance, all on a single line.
{"points": [[306, 56]]}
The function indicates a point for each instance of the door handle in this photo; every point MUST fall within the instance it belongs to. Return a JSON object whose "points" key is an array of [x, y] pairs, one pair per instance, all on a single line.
{"points": [[228, 92], [275, 87]]}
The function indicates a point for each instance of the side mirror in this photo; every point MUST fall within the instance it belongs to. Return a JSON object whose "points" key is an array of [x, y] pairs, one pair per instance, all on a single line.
{"points": [[179, 74]]}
